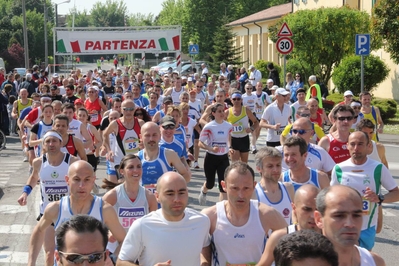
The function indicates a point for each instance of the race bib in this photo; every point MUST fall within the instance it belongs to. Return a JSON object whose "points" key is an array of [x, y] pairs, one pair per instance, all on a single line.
{"points": [[151, 187], [93, 118], [238, 128], [128, 215], [279, 131], [366, 206], [221, 145], [131, 146]]}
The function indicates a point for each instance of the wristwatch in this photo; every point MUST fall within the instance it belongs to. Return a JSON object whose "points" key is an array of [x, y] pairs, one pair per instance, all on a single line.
{"points": [[381, 198]]}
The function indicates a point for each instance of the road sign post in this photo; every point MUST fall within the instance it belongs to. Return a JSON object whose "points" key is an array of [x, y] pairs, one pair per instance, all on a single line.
{"points": [[362, 48], [284, 44]]}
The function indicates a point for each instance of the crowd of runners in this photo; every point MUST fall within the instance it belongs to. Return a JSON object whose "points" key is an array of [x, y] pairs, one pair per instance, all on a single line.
{"points": [[318, 201]]}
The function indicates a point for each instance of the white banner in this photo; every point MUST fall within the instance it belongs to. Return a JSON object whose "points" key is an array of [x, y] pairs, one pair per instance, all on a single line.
{"points": [[106, 42]]}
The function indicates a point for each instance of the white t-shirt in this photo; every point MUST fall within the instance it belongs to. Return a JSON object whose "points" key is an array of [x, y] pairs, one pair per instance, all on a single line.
{"points": [[317, 158], [262, 100], [249, 101], [152, 239], [189, 131], [195, 109], [361, 176], [294, 109], [215, 134], [273, 115]]}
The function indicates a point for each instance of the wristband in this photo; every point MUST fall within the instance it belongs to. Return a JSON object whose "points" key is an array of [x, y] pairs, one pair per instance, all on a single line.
{"points": [[27, 189]]}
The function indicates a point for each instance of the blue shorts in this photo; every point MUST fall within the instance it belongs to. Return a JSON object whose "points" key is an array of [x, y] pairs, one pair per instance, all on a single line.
{"points": [[110, 170], [367, 238]]}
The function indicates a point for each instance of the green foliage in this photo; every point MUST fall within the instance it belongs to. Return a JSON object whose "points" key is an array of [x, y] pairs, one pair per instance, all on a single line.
{"points": [[139, 19], [386, 26], [336, 97], [112, 13], [82, 18], [261, 65], [224, 49], [318, 48], [242, 8], [387, 108], [347, 75]]}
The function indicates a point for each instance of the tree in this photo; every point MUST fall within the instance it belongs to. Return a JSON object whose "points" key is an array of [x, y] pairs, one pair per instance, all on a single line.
{"points": [[318, 48], [82, 18], [112, 13], [386, 26], [14, 56], [139, 19], [224, 48], [347, 75]]}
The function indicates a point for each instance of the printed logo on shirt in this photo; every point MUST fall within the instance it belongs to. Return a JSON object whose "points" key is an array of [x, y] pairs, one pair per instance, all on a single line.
{"points": [[54, 174], [131, 212], [56, 190], [239, 236], [220, 132]]}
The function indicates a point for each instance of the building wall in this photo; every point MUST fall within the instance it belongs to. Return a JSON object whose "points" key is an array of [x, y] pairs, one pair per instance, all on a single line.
{"points": [[314, 4]]}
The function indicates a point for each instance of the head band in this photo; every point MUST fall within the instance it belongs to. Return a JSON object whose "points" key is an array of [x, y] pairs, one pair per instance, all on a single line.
{"points": [[355, 104], [52, 134], [236, 95], [45, 98]]}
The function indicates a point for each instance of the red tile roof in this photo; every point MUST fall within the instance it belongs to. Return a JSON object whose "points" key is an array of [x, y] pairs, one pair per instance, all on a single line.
{"points": [[267, 14]]}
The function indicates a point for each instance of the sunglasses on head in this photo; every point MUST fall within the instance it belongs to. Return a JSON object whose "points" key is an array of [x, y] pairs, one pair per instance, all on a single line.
{"points": [[343, 118], [76, 258], [128, 108], [168, 127], [299, 131]]}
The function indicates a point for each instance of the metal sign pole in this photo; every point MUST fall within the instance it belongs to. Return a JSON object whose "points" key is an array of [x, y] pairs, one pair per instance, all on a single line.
{"points": [[362, 74], [285, 68]]}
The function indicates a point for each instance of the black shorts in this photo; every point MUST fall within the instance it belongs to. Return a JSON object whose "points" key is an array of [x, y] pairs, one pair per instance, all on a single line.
{"points": [[30, 148], [240, 144], [92, 160], [40, 216], [273, 143]]}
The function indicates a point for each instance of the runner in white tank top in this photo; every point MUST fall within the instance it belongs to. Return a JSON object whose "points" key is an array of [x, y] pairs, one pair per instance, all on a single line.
{"points": [[283, 206], [74, 129], [238, 245], [52, 181]]}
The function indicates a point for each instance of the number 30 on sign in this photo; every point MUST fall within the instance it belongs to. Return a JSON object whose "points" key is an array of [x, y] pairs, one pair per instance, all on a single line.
{"points": [[285, 45]]}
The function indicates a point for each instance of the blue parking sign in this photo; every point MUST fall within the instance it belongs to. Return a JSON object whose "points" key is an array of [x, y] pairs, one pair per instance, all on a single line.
{"points": [[362, 44]]}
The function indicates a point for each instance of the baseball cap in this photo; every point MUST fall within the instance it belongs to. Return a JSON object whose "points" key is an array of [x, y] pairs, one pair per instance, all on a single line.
{"points": [[270, 80], [117, 95], [55, 75], [29, 75], [167, 120], [348, 93], [282, 91], [184, 77], [190, 79], [192, 91], [251, 66], [275, 87], [167, 99], [78, 101]]}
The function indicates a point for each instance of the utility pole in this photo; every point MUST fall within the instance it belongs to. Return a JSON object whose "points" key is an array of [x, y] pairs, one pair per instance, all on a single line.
{"points": [[25, 32], [45, 36]]}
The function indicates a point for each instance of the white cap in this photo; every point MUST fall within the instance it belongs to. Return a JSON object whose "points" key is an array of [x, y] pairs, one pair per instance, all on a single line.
{"points": [[55, 75], [190, 79], [275, 87], [269, 80], [251, 66], [347, 93], [183, 77], [281, 91]]}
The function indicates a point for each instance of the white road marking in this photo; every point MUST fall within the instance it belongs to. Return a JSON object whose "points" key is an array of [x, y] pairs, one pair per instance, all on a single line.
{"points": [[388, 213], [14, 257], [16, 229]]}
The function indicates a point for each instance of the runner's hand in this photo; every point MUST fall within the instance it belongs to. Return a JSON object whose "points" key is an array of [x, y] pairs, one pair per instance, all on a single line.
{"points": [[167, 263], [23, 199]]}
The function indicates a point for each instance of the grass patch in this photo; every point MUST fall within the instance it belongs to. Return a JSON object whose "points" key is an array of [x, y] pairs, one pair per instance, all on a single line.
{"points": [[392, 125]]}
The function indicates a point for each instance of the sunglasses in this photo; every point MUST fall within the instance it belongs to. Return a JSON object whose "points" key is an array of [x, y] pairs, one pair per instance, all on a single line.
{"points": [[299, 131], [109, 79], [168, 127], [305, 115], [137, 114], [128, 108], [199, 86], [91, 92], [356, 108], [79, 258], [343, 118], [236, 99]]}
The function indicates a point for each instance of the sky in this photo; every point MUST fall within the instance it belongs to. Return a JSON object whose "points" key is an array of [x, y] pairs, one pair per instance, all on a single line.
{"points": [[133, 6]]}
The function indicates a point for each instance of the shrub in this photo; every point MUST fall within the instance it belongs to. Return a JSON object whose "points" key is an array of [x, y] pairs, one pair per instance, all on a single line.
{"points": [[346, 76], [261, 65]]}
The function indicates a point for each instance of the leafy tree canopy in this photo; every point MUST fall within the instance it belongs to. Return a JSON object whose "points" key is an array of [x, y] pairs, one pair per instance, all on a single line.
{"points": [[318, 48]]}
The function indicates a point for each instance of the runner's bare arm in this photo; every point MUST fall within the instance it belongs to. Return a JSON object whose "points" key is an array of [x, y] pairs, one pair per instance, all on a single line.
{"points": [[324, 143], [270, 218], [204, 118], [36, 240], [33, 141], [112, 128], [267, 256], [152, 201], [381, 154], [174, 161], [111, 220], [32, 180], [324, 181], [80, 148]]}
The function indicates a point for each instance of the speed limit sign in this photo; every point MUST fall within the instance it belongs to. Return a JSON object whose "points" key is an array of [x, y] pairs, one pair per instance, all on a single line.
{"points": [[285, 45]]}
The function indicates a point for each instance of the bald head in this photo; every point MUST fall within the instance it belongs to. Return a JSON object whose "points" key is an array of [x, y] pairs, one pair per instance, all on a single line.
{"points": [[303, 122], [359, 136], [128, 103], [171, 179], [80, 168], [305, 192], [149, 126], [337, 193]]}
